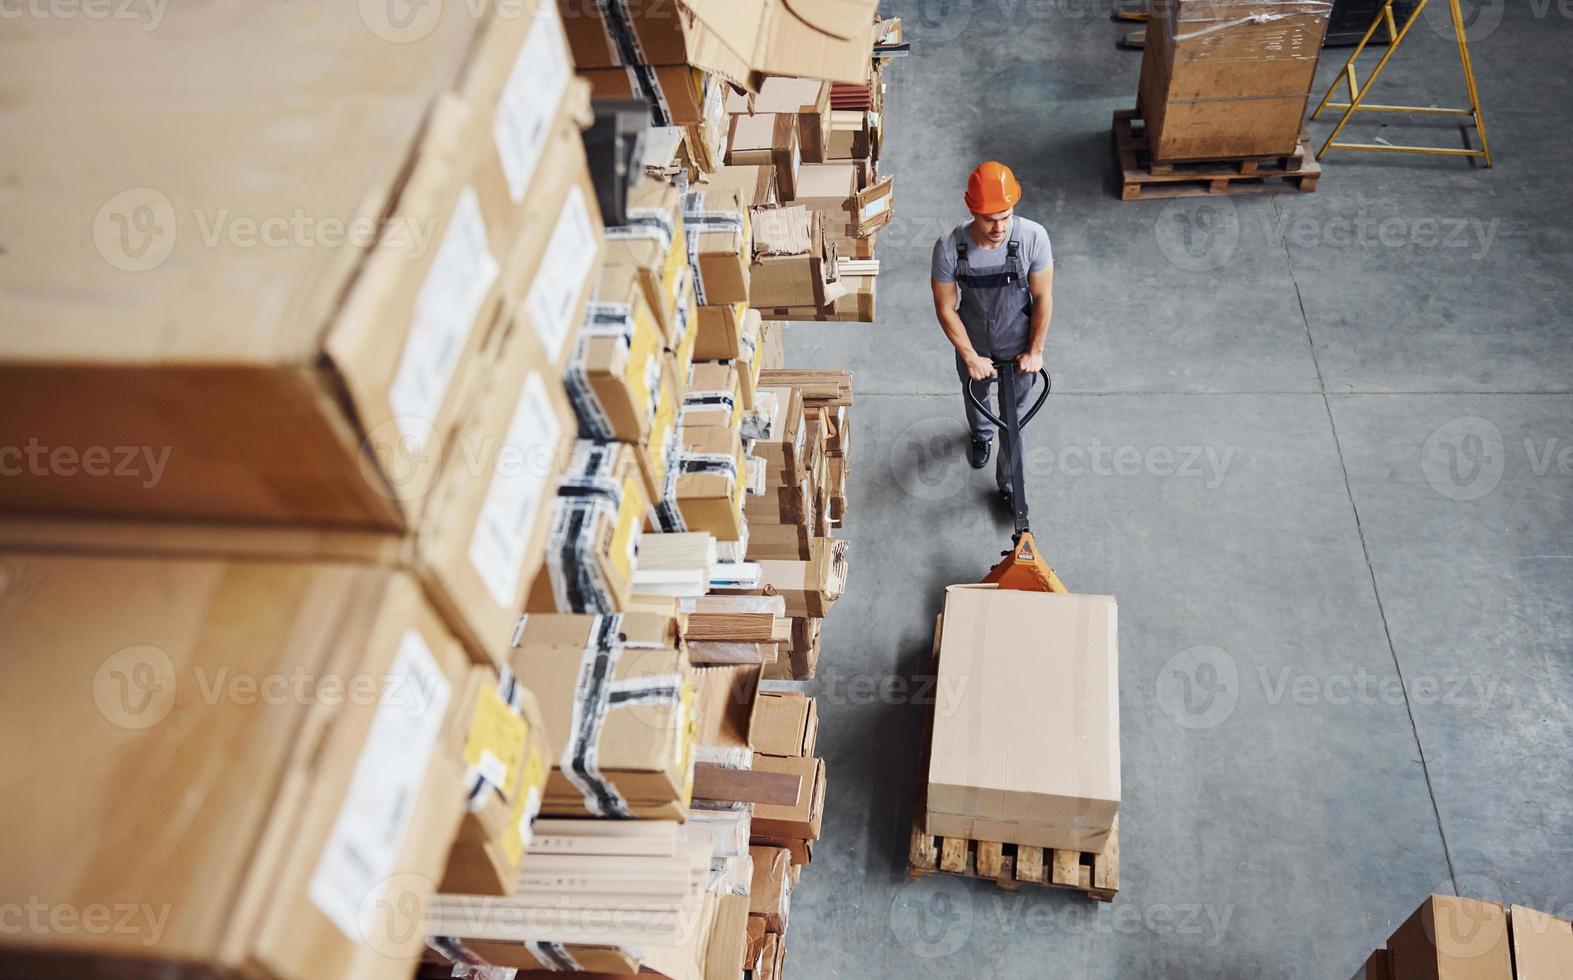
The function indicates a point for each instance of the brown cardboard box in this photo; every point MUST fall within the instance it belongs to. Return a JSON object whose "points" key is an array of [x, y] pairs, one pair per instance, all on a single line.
{"points": [[286, 280], [809, 587], [831, 39], [1450, 938], [506, 759], [680, 352], [801, 819], [643, 749], [714, 397], [324, 819], [615, 374], [850, 210], [758, 931], [784, 446], [653, 243], [720, 244], [756, 183], [1031, 755], [1374, 968], [786, 723], [599, 515], [725, 698], [710, 488], [767, 140], [1542, 945], [663, 36], [677, 92], [770, 893], [1228, 78], [794, 263], [720, 331], [788, 542], [850, 137], [806, 98]]}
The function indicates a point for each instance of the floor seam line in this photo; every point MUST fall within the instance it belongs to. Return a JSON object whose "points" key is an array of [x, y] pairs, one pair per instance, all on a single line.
{"points": [[1365, 552]]}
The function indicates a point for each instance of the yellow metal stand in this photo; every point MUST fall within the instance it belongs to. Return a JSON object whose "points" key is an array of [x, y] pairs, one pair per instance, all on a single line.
{"points": [[1357, 92]]}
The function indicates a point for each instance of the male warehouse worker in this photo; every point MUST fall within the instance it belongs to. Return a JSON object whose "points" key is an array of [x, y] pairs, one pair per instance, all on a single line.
{"points": [[992, 279]]}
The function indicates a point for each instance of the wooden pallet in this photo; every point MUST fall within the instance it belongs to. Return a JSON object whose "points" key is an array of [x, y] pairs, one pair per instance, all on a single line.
{"points": [[1141, 179], [1010, 866]]}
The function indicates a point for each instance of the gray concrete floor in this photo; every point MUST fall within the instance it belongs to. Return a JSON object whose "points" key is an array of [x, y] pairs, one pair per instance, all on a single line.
{"points": [[1325, 470]]}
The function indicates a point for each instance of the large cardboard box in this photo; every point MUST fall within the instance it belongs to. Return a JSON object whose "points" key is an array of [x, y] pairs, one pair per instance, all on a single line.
{"points": [[1542, 945], [653, 242], [849, 209], [802, 818], [1031, 752], [710, 484], [676, 93], [1451, 938], [614, 378], [621, 709], [832, 39], [720, 244], [282, 280], [786, 723], [767, 140], [757, 184], [794, 263], [599, 515], [714, 396], [1228, 78], [256, 759], [770, 893], [806, 98]]}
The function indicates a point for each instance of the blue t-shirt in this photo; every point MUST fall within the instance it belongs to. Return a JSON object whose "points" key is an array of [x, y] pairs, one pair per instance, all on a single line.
{"points": [[1035, 250]]}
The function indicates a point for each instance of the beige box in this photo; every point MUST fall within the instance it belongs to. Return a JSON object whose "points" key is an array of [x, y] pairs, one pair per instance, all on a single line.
{"points": [[1451, 938], [615, 376], [599, 515], [831, 39], [767, 140], [303, 705], [1031, 752], [720, 244], [278, 282], [617, 756]]}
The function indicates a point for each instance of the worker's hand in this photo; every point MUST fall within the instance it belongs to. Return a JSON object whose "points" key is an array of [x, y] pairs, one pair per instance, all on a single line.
{"points": [[1029, 363], [979, 368]]}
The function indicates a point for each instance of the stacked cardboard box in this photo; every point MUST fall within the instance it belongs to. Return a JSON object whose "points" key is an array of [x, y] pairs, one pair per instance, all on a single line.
{"points": [[343, 354], [821, 141], [425, 447], [1031, 754], [1452, 938], [1228, 78]]}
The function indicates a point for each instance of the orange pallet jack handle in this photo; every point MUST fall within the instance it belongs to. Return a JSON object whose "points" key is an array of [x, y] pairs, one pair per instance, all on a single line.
{"points": [[1022, 566]]}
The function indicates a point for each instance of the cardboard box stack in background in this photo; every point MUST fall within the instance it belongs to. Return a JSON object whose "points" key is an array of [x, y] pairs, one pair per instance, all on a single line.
{"points": [[1228, 78], [496, 451], [1452, 938]]}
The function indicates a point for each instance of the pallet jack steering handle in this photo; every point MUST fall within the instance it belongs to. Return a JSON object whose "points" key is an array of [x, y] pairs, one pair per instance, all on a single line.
{"points": [[1005, 372]]}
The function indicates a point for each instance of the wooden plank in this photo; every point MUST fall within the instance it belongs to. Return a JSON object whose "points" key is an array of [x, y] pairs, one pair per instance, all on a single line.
{"points": [[1029, 864], [990, 859], [746, 786], [953, 855], [1106, 866], [1064, 867]]}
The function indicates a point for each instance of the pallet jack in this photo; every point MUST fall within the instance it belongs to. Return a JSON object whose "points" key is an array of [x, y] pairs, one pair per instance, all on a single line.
{"points": [[1022, 566]]}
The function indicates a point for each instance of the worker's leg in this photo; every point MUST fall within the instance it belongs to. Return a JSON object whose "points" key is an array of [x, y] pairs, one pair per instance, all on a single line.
{"points": [[1025, 392], [982, 429]]}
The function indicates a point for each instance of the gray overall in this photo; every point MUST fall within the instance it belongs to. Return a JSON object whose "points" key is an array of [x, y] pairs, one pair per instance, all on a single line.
{"points": [[996, 308]]}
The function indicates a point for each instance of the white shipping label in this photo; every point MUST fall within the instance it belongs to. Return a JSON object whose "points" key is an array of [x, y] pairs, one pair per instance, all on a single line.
{"points": [[560, 280], [461, 274], [383, 791], [508, 514], [529, 101]]}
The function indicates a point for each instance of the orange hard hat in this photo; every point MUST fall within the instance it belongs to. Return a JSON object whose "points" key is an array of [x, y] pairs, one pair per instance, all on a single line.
{"points": [[992, 188]]}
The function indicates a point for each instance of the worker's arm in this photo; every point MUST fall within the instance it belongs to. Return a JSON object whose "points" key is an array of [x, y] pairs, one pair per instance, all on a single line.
{"points": [[956, 332], [1041, 283]]}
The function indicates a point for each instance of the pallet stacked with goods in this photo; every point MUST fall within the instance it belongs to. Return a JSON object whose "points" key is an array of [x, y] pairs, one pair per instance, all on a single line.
{"points": [[472, 517]]}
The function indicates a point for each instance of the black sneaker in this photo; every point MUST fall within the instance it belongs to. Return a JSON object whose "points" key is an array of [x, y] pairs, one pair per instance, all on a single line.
{"points": [[978, 455]]}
